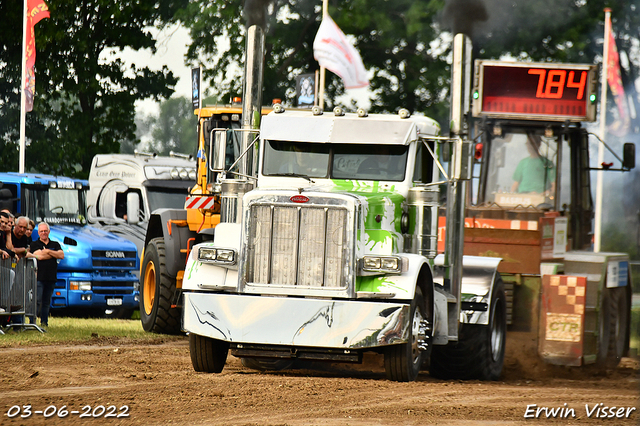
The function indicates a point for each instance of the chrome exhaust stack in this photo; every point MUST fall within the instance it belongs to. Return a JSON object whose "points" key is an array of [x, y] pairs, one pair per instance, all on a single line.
{"points": [[232, 190], [459, 172], [253, 82]]}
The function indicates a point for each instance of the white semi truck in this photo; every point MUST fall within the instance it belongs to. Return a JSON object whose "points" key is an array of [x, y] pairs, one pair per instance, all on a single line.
{"points": [[332, 250]]}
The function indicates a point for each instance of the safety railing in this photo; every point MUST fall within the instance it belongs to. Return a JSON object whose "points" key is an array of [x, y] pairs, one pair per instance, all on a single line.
{"points": [[18, 294]]}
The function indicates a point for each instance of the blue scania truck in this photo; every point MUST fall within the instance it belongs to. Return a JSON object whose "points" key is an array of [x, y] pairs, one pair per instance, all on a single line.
{"points": [[97, 274]]}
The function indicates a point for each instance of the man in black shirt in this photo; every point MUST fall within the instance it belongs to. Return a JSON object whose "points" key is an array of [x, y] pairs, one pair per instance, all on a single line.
{"points": [[19, 238], [48, 253]]}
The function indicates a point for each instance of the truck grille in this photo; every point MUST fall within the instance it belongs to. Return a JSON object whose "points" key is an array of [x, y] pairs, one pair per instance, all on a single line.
{"points": [[297, 246], [110, 260]]}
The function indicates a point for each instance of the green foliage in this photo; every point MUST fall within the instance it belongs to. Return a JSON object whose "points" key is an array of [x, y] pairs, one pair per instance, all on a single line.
{"points": [[175, 128], [405, 44], [83, 105]]}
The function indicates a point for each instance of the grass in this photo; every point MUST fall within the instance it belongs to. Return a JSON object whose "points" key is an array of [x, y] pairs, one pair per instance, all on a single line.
{"points": [[78, 330]]}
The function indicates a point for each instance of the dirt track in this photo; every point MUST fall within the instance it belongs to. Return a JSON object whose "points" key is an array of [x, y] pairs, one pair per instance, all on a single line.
{"points": [[158, 385]]}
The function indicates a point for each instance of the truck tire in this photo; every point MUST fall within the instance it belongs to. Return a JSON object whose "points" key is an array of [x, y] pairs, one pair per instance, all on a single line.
{"points": [[402, 362], [613, 323], [156, 292], [621, 323], [207, 355], [479, 351]]}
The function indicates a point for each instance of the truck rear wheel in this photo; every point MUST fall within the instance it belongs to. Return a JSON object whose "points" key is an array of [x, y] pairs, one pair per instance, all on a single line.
{"points": [[207, 355], [156, 292], [402, 362], [479, 351]]}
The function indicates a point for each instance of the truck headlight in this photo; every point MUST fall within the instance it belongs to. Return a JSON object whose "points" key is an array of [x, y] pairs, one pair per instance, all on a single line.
{"points": [[217, 255], [80, 285], [382, 264]]}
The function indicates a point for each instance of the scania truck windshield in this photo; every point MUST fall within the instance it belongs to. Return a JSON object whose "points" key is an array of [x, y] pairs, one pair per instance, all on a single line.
{"points": [[56, 205]]}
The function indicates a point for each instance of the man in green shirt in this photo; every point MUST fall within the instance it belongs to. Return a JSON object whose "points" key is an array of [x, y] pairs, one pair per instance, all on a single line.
{"points": [[534, 173]]}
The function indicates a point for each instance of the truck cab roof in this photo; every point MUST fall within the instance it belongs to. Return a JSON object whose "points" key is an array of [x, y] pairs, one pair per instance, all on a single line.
{"points": [[347, 128]]}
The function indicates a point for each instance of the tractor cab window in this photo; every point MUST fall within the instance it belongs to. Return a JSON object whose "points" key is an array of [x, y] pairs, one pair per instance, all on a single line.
{"points": [[522, 170]]}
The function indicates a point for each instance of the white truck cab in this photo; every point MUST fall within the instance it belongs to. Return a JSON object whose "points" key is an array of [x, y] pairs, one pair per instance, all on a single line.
{"points": [[125, 189]]}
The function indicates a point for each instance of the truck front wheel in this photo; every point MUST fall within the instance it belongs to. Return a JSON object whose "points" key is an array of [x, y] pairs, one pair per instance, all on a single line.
{"points": [[402, 362], [207, 355], [156, 292], [479, 351]]}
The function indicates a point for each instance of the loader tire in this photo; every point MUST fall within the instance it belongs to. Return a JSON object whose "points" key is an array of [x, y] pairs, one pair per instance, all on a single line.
{"points": [[402, 362], [479, 351], [157, 289], [207, 355]]}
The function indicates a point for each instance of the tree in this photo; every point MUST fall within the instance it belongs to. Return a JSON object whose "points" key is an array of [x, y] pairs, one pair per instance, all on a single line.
{"points": [[175, 129], [406, 44], [84, 102]]}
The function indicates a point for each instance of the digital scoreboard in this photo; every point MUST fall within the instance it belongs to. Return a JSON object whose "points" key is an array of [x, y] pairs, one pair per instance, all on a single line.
{"points": [[535, 91]]}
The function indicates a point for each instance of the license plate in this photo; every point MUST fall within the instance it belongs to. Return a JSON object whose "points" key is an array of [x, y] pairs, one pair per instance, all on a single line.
{"points": [[114, 302]]}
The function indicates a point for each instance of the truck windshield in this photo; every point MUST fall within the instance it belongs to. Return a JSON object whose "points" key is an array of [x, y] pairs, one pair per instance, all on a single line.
{"points": [[336, 161], [522, 170], [56, 205], [160, 198]]}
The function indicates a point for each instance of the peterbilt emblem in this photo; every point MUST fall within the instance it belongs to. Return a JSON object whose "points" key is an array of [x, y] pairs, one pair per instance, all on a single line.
{"points": [[114, 254], [299, 198]]}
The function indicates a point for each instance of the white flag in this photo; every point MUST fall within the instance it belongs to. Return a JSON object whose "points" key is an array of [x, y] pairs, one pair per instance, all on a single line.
{"points": [[333, 51]]}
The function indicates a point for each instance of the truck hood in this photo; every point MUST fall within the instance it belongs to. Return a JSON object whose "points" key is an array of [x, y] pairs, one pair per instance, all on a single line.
{"points": [[78, 243]]}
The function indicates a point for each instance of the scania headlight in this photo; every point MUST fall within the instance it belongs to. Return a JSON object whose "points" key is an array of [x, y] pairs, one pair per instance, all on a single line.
{"points": [[391, 264], [184, 174], [80, 285], [175, 173], [192, 174]]}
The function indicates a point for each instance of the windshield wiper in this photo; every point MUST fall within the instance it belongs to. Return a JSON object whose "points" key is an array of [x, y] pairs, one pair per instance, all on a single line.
{"points": [[297, 175]]}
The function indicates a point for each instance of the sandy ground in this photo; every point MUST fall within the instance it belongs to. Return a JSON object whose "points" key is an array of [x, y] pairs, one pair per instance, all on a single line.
{"points": [[155, 384]]}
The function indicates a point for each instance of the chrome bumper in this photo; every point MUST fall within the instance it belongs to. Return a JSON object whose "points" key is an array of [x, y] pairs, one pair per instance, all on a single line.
{"points": [[295, 321]]}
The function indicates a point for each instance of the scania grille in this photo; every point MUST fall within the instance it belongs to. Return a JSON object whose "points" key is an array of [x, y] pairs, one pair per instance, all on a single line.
{"points": [[297, 246], [113, 260]]}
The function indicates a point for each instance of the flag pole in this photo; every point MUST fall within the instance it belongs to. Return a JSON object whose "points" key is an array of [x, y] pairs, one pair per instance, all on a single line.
{"points": [[325, 12], [23, 82], [597, 231]]}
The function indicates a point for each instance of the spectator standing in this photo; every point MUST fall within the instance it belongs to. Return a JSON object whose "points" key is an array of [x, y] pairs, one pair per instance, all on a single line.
{"points": [[47, 252], [5, 236], [30, 227], [19, 237]]}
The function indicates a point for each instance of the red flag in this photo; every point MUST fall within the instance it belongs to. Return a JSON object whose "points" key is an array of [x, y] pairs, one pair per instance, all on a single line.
{"points": [[621, 126], [36, 11]]}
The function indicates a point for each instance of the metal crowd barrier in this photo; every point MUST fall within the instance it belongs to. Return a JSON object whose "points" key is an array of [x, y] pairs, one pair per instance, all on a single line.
{"points": [[18, 294]]}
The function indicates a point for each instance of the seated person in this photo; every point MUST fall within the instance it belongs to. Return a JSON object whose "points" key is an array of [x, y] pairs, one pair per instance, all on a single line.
{"points": [[534, 173]]}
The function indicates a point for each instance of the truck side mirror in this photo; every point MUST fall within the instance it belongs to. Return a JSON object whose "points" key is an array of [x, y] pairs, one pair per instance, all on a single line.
{"points": [[133, 208], [629, 155], [219, 151]]}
